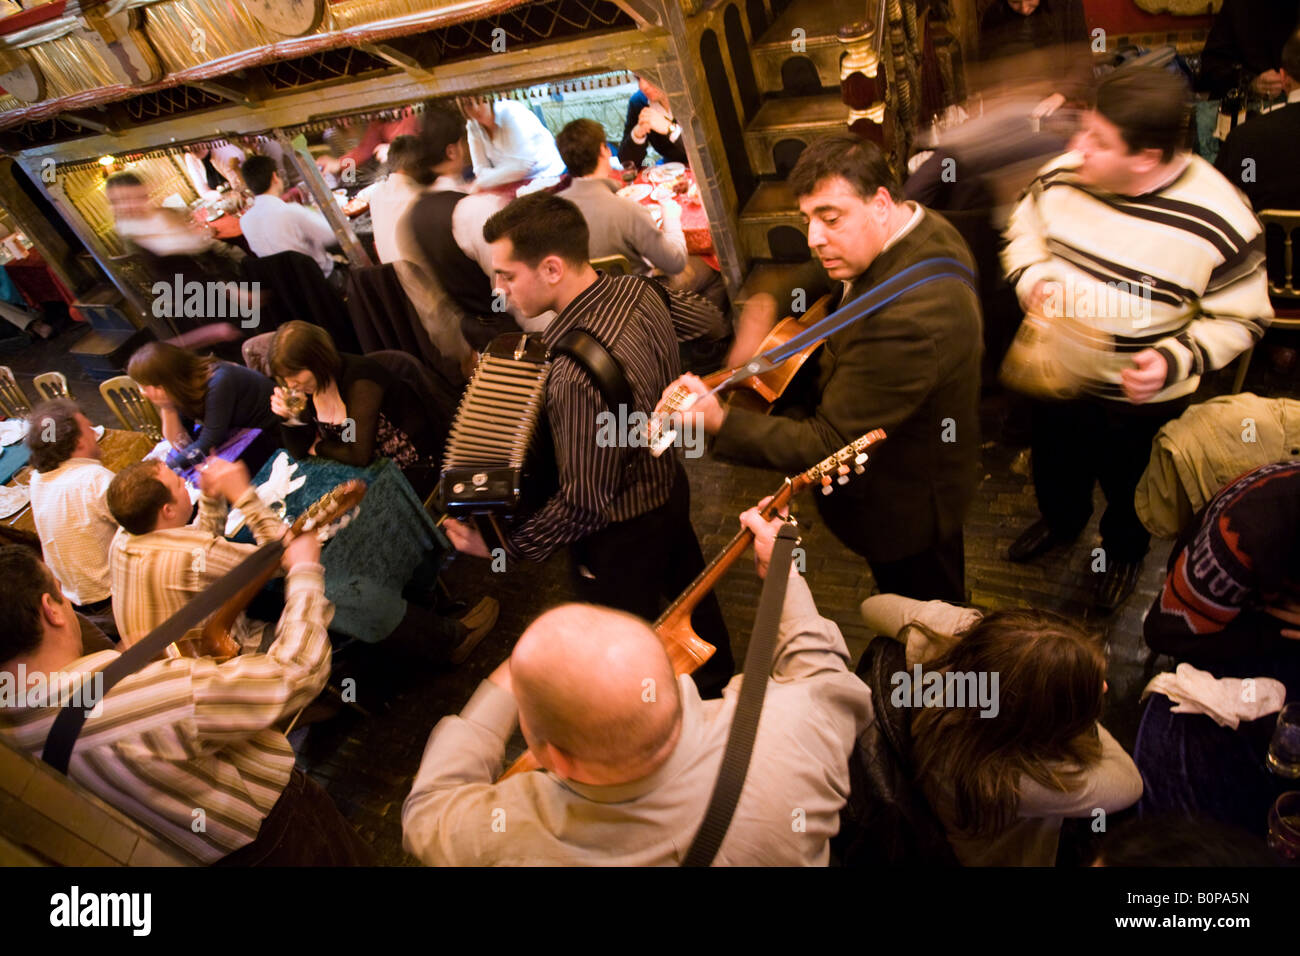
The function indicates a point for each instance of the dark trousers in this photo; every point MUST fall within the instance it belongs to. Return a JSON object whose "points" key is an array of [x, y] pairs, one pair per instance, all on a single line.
{"points": [[304, 828], [100, 614], [936, 574], [641, 564], [1079, 443]]}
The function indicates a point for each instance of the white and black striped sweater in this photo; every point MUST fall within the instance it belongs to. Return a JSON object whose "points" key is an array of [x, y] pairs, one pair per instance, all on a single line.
{"points": [[1180, 269]]}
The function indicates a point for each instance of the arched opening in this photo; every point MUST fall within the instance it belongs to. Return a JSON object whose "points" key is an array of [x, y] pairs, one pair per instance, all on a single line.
{"points": [[785, 154], [788, 244], [757, 15], [799, 77], [741, 65], [724, 109]]}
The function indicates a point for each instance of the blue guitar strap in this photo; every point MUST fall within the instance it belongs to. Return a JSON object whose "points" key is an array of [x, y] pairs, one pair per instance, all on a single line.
{"points": [[874, 299]]}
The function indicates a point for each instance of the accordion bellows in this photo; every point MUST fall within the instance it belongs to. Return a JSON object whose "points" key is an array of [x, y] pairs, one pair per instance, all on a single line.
{"points": [[482, 469]]}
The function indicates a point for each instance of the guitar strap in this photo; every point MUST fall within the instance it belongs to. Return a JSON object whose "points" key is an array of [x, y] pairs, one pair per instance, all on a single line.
{"points": [[744, 724], [67, 726], [874, 299]]}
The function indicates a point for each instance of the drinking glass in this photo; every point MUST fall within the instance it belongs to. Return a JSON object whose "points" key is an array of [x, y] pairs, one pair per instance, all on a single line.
{"points": [[1284, 826], [1284, 748]]}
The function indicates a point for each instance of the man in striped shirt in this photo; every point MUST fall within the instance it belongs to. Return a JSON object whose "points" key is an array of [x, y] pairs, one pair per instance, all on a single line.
{"points": [[160, 560], [624, 514], [1149, 246], [187, 747]]}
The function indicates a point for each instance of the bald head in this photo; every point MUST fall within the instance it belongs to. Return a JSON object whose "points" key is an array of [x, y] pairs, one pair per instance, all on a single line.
{"points": [[597, 685]]}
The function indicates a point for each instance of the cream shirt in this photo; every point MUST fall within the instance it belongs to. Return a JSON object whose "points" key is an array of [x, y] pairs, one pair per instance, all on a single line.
{"points": [[75, 527]]}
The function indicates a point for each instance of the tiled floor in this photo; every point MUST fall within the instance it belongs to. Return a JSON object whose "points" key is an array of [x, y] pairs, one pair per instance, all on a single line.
{"points": [[367, 762]]}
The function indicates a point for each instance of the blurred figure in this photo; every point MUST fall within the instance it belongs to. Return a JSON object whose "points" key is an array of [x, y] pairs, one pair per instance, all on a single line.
{"points": [[650, 123], [1268, 142], [1246, 43], [1053, 32], [214, 169], [374, 145], [508, 143], [1092, 241], [1003, 772], [409, 175], [222, 397]]}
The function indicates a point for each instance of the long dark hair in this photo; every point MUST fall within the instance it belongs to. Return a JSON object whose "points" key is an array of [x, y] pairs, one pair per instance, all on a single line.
{"points": [[181, 373], [1051, 676]]}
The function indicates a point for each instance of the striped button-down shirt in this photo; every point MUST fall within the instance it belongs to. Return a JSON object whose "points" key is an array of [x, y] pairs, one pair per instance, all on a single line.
{"points": [[603, 482], [158, 573], [75, 527], [189, 734]]}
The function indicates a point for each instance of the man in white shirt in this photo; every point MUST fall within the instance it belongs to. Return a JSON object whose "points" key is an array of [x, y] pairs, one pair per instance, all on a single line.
{"points": [[408, 177], [272, 225], [68, 489], [508, 143], [631, 755]]}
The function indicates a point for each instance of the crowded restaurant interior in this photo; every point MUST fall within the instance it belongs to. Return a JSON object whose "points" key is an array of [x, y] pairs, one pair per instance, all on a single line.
{"points": [[650, 432]]}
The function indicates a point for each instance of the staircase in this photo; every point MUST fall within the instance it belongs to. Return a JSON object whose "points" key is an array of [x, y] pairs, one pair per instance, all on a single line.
{"points": [[798, 77], [103, 352]]}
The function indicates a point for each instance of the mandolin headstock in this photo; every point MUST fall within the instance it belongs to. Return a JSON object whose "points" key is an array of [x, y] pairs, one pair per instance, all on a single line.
{"points": [[836, 469], [331, 513]]}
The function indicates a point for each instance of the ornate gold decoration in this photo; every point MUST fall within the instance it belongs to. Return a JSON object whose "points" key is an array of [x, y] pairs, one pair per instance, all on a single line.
{"points": [[22, 78], [1180, 8], [293, 18]]}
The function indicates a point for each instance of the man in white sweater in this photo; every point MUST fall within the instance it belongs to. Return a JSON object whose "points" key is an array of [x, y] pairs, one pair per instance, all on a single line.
{"points": [[1147, 245]]}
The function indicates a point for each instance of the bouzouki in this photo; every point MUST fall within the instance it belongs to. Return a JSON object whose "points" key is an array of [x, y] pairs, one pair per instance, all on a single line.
{"points": [[686, 650], [326, 517]]}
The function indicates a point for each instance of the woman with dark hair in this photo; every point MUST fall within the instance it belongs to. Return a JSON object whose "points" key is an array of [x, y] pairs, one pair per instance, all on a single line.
{"points": [[351, 408], [220, 396], [1003, 766]]}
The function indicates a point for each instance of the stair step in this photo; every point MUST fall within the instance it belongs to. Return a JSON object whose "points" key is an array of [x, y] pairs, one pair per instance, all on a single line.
{"points": [[780, 279], [102, 307], [792, 122], [771, 226], [820, 21], [103, 354]]}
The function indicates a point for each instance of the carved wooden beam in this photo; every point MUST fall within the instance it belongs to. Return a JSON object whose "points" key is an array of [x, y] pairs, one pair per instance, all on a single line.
{"points": [[412, 67], [228, 93]]}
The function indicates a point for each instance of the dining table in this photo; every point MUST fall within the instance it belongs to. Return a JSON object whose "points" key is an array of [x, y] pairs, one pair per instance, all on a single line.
{"points": [[368, 562]]}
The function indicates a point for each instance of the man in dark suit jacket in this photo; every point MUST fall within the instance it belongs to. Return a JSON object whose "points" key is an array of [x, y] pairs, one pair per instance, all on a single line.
{"points": [[1259, 155], [912, 368]]}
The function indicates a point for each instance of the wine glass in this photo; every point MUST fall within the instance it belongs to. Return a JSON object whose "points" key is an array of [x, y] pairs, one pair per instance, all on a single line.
{"points": [[1284, 826], [1284, 748]]}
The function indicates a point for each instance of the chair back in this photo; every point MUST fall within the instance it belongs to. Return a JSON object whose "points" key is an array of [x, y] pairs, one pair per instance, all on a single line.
{"points": [[133, 410], [51, 385], [257, 353], [13, 401], [1288, 222], [614, 265]]}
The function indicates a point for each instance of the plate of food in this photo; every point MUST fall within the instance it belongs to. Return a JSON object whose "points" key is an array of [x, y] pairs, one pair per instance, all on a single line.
{"points": [[674, 169], [663, 192], [658, 174], [355, 207], [636, 192]]}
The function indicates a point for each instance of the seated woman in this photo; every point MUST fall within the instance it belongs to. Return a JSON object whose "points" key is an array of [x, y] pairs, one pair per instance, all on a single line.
{"points": [[220, 396], [355, 409], [1003, 767]]}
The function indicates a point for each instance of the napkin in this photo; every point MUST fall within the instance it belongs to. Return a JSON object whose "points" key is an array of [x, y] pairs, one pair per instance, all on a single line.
{"points": [[273, 491], [13, 498], [1226, 700], [12, 431]]}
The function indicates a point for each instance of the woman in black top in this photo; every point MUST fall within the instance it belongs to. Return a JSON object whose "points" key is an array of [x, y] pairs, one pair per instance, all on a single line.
{"points": [[221, 396], [355, 409]]}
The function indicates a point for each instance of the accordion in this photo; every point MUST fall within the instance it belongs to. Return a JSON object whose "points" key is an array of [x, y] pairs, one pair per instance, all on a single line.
{"points": [[494, 431]]}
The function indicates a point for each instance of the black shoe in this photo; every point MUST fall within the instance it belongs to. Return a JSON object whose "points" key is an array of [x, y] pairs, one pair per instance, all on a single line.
{"points": [[1037, 539], [1116, 584]]}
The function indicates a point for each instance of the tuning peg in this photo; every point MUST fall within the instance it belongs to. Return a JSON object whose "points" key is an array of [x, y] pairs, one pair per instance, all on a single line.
{"points": [[858, 469], [861, 459], [826, 484]]}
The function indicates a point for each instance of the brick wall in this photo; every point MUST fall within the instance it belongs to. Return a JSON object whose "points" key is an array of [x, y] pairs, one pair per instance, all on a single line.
{"points": [[48, 820]]}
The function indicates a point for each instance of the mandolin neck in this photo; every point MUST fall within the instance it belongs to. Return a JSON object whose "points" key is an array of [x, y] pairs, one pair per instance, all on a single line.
{"points": [[707, 579]]}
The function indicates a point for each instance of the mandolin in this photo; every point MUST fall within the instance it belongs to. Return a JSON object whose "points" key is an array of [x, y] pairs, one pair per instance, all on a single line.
{"points": [[757, 391], [327, 516], [686, 650]]}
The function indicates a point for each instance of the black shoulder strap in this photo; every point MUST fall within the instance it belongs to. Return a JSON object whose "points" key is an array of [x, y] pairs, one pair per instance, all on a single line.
{"points": [[67, 726], [605, 370], [744, 725]]}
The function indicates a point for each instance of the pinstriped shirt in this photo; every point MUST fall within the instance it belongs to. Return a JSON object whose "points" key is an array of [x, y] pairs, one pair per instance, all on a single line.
{"points": [[158, 573], [189, 734], [1179, 269], [601, 484]]}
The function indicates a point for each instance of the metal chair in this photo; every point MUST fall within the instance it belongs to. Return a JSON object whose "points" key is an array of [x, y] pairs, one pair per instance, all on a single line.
{"points": [[1287, 315], [133, 410], [13, 400], [51, 385], [614, 265]]}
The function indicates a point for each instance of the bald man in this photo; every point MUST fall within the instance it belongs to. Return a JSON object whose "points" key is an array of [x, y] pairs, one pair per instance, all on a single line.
{"points": [[630, 754]]}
